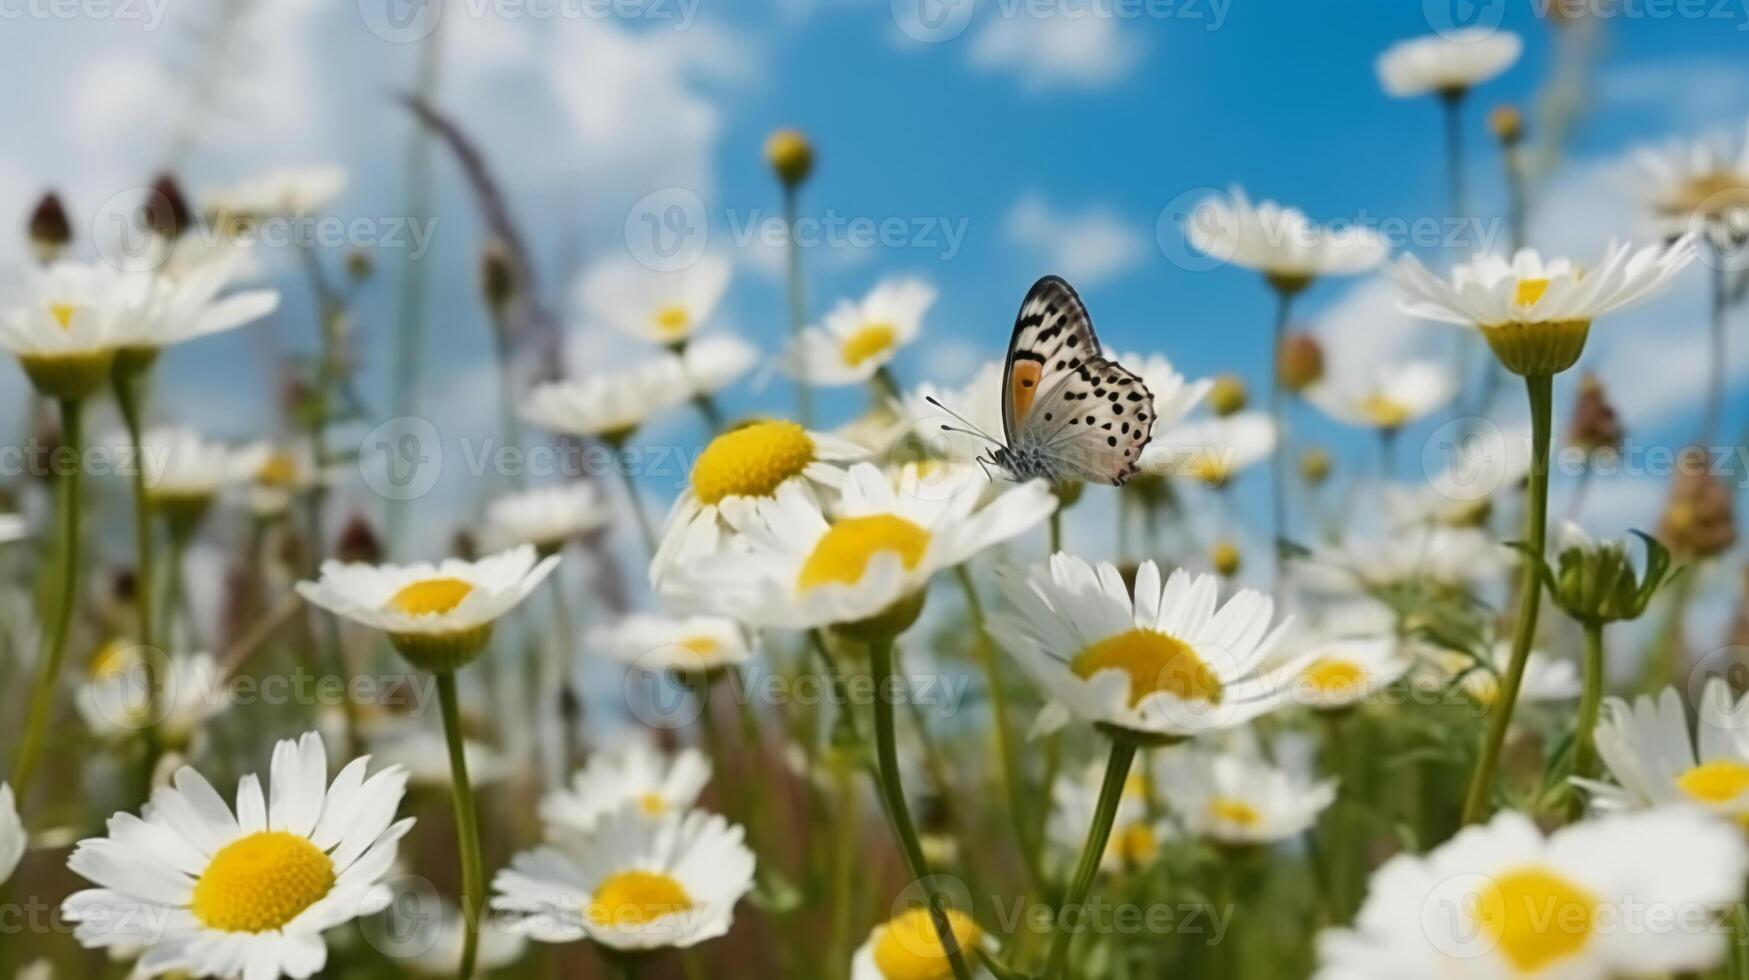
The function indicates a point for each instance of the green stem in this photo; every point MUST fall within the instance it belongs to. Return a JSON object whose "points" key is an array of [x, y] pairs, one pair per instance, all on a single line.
{"points": [[1540, 389], [127, 400], [707, 407], [1057, 530], [798, 312], [646, 530], [1453, 103], [467, 828], [880, 655], [1584, 740], [42, 695], [1117, 773], [1715, 396], [1278, 416]]}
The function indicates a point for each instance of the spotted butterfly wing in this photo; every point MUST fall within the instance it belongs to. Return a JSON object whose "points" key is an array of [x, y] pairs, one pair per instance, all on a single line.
{"points": [[1068, 412]]}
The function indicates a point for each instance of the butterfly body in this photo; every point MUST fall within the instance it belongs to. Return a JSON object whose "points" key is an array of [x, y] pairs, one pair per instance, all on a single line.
{"points": [[1068, 413]]}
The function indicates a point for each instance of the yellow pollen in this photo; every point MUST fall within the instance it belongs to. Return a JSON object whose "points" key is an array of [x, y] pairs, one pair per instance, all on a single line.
{"points": [[1384, 412], [752, 461], [63, 314], [1719, 781], [1136, 845], [702, 647], [671, 321], [430, 596], [1228, 810], [1333, 675], [1529, 291], [910, 948], [1212, 468], [280, 470], [636, 898], [261, 882], [842, 554], [652, 804], [870, 341], [1535, 917], [1154, 662]]}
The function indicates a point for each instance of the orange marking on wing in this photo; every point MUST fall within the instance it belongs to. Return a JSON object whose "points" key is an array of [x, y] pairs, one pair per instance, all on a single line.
{"points": [[1024, 385]]}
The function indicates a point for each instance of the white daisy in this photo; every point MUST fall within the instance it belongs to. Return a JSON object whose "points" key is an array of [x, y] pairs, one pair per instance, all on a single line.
{"points": [[660, 307], [1628, 895], [1449, 556], [1235, 799], [976, 406], [715, 362], [1647, 749], [1135, 838], [634, 773], [216, 893], [181, 466], [1483, 464], [1701, 187], [1545, 678], [546, 517], [12, 835], [802, 570], [859, 338], [186, 304], [1174, 395], [115, 701], [65, 321], [1447, 63], [13, 527], [748, 462], [1169, 662], [283, 191], [1213, 450], [439, 616], [1282, 243], [908, 947], [1342, 671], [687, 644], [1387, 398], [630, 883], [609, 406], [288, 471], [1536, 313]]}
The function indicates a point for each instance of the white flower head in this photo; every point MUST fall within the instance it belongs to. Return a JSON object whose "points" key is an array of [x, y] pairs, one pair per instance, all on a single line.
{"points": [[1388, 397], [1345, 670], [1136, 838], [684, 644], [859, 338], [1545, 678], [1627, 895], [181, 464], [12, 835], [69, 309], [631, 883], [802, 569], [187, 305], [116, 701], [657, 784], [1212, 450], [213, 891], [546, 517], [976, 406], [1236, 799], [1700, 188], [1434, 553], [1647, 750], [1279, 242], [1168, 660], [279, 192], [909, 946], [1447, 63], [717, 361], [609, 406], [661, 307]]}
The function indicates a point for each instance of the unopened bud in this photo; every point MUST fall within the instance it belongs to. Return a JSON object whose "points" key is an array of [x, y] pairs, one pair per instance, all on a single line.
{"points": [[360, 265], [1300, 362], [497, 276], [1227, 397], [790, 156], [1507, 123], [166, 211], [1226, 558], [358, 543], [1698, 518], [49, 229], [1315, 466], [1595, 427]]}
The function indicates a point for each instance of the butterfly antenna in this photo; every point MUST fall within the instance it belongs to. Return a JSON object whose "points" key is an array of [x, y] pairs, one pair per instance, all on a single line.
{"points": [[965, 426]]}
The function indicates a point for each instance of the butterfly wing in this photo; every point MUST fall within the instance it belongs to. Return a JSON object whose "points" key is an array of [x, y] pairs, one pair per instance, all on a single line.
{"points": [[1064, 404]]}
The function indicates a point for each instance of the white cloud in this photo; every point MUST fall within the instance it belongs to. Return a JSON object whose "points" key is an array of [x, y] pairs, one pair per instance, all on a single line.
{"points": [[1686, 93], [1057, 52], [1087, 247]]}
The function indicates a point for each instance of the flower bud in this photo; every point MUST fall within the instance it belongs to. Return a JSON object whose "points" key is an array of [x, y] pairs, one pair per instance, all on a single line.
{"points": [[1698, 519], [1507, 123], [166, 210], [497, 276], [1227, 397], [1315, 466], [49, 229], [1226, 558], [790, 156], [1595, 428], [1595, 581], [1300, 362], [358, 543]]}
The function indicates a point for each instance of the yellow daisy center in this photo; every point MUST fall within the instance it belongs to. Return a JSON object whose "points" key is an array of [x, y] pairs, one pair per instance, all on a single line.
{"points": [[1211, 468], [870, 341], [113, 659], [672, 321], [1333, 675], [1154, 662], [752, 461], [430, 596], [1384, 412], [652, 804], [1536, 917], [280, 470], [1136, 845], [702, 647], [1529, 291], [1718, 781], [261, 882], [910, 948], [842, 554], [63, 314], [636, 898], [1225, 809]]}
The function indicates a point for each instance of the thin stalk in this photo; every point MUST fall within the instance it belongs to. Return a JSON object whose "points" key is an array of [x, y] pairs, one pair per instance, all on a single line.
{"points": [[1453, 104], [1278, 415], [1117, 772], [42, 694], [646, 530], [1584, 740], [1056, 530], [1540, 389], [467, 828], [1739, 942], [707, 407], [798, 310], [127, 399], [1715, 395], [880, 655]]}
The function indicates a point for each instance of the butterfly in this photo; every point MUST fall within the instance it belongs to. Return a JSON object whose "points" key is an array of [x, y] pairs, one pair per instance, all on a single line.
{"points": [[1068, 412]]}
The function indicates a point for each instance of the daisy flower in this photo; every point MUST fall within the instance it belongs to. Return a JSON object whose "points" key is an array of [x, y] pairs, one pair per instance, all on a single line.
{"points": [[13, 527], [1536, 313], [609, 406], [115, 701], [213, 892], [1235, 800], [1545, 678], [716, 362], [65, 321], [12, 836], [1387, 398], [438, 616], [1647, 749], [859, 338], [1212, 451], [803, 569], [1628, 895], [185, 471], [1346, 670], [635, 773], [747, 463], [661, 307], [282, 191], [287, 472], [977, 405], [1447, 64], [548, 517], [1168, 662], [1135, 838], [631, 883], [908, 947], [1174, 395], [686, 645], [1282, 243], [1446, 556], [186, 304], [1702, 188]]}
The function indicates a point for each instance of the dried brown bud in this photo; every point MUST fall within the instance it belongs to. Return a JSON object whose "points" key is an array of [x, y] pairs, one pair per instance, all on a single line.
{"points": [[790, 155], [1227, 397], [1226, 558], [497, 276], [1315, 466], [166, 211], [1507, 124], [49, 229], [464, 546], [359, 265], [358, 543], [1698, 521], [1595, 427], [1300, 362]]}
